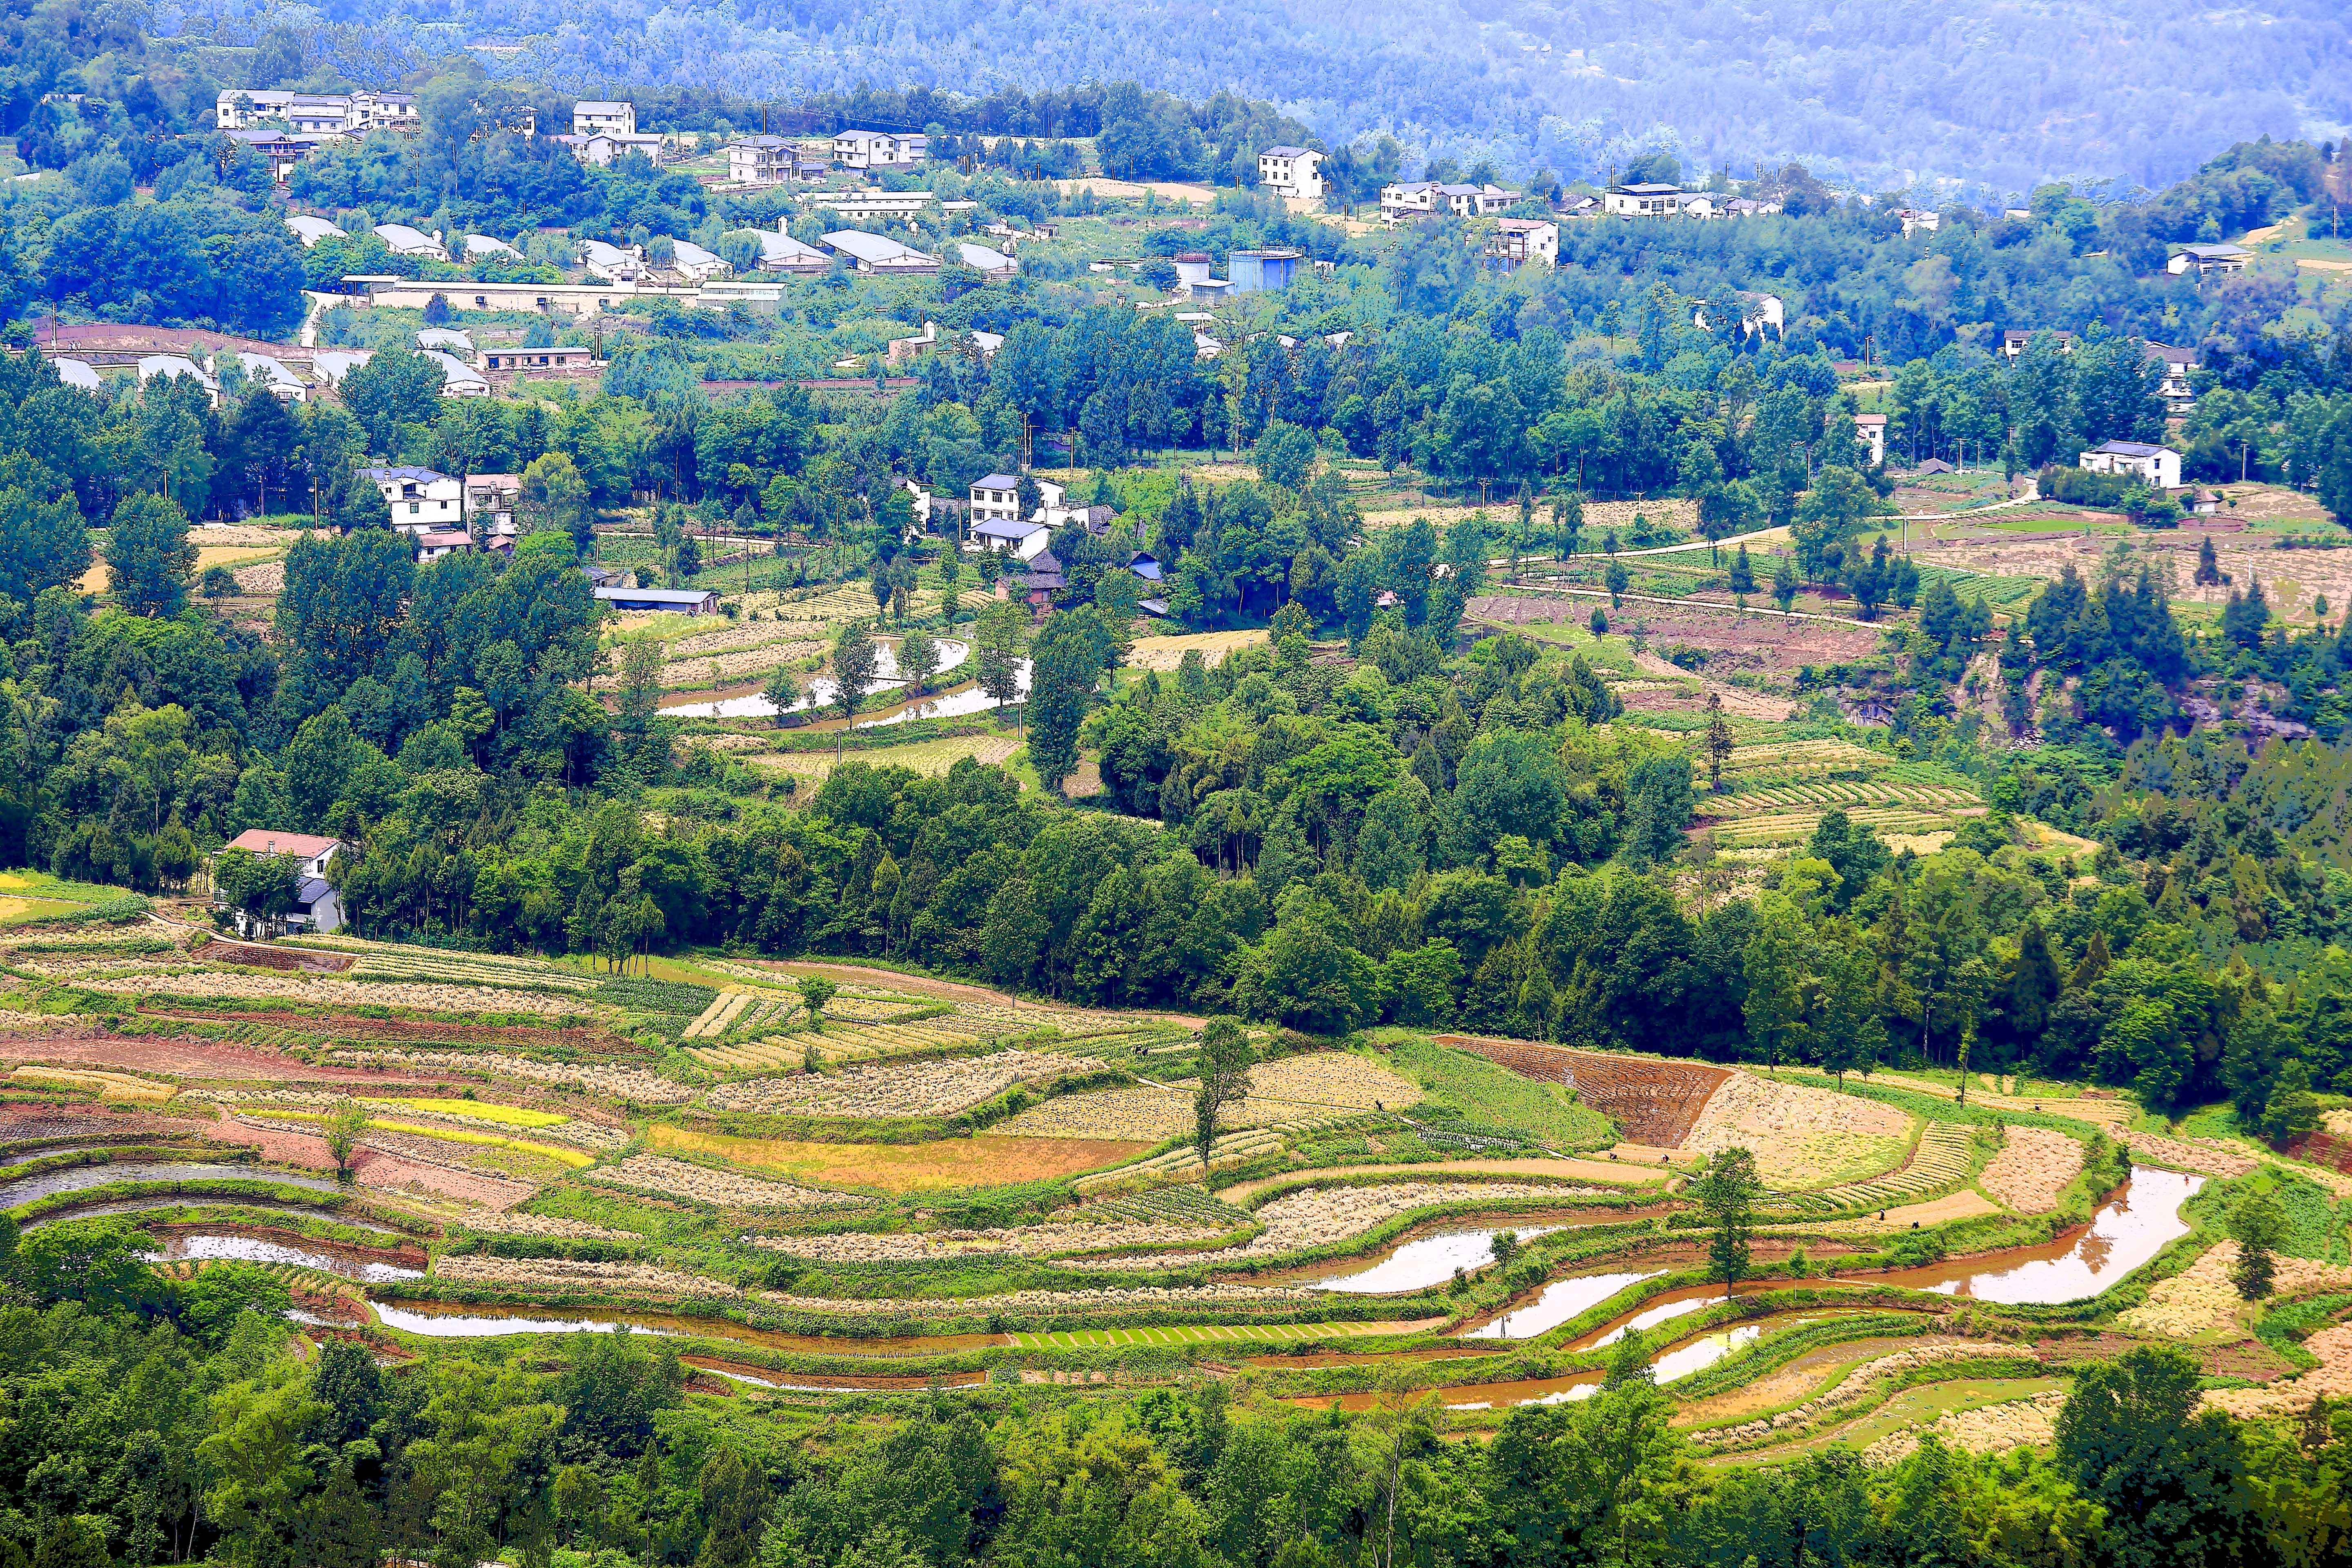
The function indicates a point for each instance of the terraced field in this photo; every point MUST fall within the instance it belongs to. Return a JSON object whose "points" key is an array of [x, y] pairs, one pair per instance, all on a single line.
{"points": [[562, 1145], [1775, 790], [1940, 1162]]}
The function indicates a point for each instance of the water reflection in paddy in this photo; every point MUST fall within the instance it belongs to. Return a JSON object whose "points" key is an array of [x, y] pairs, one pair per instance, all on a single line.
{"points": [[470, 1320], [2128, 1229], [1432, 1261], [467, 1326], [253, 1250], [75, 1178], [1560, 1300]]}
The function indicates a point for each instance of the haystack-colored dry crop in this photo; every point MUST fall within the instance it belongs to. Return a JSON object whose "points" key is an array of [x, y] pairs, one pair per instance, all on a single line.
{"points": [[678, 1179], [2033, 1169], [1802, 1137]]}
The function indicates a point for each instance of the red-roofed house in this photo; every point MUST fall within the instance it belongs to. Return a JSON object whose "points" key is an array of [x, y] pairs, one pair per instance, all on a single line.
{"points": [[317, 905]]}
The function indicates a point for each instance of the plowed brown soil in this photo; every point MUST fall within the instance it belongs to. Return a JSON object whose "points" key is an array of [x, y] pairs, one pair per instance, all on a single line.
{"points": [[1653, 1102]]}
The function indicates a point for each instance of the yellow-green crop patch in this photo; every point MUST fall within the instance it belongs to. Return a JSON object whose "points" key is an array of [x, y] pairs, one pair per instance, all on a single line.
{"points": [[477, 1110], [572, 1157]]}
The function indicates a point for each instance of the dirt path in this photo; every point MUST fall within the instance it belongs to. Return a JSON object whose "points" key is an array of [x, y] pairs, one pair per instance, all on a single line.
{"points": [[1578, 1170]]}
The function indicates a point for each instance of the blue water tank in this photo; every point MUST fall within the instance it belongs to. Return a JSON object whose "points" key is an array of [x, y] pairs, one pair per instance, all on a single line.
{"points": [[1255, 271]]}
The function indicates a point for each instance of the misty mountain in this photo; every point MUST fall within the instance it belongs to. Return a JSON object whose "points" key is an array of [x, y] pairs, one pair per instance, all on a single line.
{"points": [[1991, 95]]}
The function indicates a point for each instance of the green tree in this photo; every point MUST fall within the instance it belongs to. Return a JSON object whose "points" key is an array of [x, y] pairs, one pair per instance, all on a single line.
{"points": [[919, 659], [1832, 510], [1743, 575], [1720, 745], [782, 691], [1225, 1058], [2132, 1438], [391, 389], [2258, 1224], [356, 503], [1726, 1195], [262, 887], [1000, 638], [343, 1133], [1284, 454], [2290, 1111], [1614, 578], [2335, 467], [99, 1262], [854, 658], [554, 499], [148, 556], [735, 1503], [815, 992], [43, 544], [1067, 668]]}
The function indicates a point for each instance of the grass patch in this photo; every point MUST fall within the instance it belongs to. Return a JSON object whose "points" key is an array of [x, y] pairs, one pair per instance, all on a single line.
{"points": [[1480, 1094], [2314, 1220], [683, 998]]}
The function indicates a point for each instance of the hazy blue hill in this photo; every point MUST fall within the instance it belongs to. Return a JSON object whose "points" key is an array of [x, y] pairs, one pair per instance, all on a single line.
{"points": [[1995, 92]]}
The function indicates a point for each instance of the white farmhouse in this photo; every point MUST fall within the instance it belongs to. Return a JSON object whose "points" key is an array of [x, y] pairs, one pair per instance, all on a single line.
{"points": [[2156, 465], [604, 117], [1292, 171], [420, 499]]}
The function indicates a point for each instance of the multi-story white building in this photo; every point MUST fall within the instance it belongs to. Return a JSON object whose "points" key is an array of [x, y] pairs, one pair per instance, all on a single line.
{"points": [[603, 147], [1291, 172], [604, 117], [2157, 465], [317, 905], [420, 499], [1520, 240], [2014, 339], [760, 161], [239, 107], [1644, 199], [316, 113], [1870, 429], [2178, 398], [878, 150], [996, 498], [383, 112]]}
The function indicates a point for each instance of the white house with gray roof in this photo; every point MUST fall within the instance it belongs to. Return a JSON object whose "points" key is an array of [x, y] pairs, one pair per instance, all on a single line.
{"points": [[1291, 172]]}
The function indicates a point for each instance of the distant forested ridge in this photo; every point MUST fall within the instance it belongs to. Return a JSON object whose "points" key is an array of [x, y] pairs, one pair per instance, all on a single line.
{"points": [[1992, 92]]}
